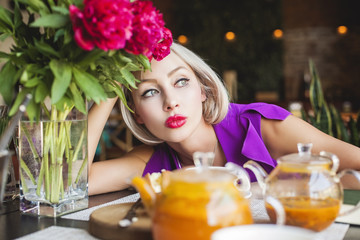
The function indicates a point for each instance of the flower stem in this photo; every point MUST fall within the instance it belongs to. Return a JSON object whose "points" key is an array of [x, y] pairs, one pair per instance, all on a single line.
{"points": [[40, 178], [78, 147], [27, 170], [81, 170], [31, 144], [23, 183]]}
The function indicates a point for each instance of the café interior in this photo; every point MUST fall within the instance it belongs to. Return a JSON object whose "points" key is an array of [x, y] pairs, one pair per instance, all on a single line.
{"points": [[264, 51]]}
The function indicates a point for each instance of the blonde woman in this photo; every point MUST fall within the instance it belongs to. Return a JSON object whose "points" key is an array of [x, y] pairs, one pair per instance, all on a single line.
{"points": [[181, 107]]}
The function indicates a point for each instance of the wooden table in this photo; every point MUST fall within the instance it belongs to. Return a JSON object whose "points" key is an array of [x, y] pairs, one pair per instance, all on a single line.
{"points": [[13, 224]]}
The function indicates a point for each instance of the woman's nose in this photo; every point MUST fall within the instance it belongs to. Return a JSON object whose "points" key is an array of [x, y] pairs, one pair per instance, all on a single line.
{"points": [[170, 104]]}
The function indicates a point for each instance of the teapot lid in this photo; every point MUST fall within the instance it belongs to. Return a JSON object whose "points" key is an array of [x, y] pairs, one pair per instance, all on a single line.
{"points": [[304, 156], [203, 170]]}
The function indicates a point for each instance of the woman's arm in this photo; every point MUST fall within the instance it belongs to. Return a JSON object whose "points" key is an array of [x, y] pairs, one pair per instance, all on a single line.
{"points": [[113, 175], [281, 138], [97, 118]]}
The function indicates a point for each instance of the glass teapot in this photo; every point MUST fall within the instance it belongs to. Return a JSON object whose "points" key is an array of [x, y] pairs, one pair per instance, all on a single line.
{"points": [[194, 202], [306, 185]]}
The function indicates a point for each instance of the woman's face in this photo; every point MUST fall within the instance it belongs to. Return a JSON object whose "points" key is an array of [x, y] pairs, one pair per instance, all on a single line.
{"points": [[169, 100]]}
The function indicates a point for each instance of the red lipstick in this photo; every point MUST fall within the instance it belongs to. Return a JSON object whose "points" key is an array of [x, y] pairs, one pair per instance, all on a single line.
{"points": [[175, 121]]}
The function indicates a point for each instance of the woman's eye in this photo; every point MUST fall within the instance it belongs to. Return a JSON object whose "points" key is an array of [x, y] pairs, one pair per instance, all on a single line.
{"points": [[149, 93], [182, 82]]}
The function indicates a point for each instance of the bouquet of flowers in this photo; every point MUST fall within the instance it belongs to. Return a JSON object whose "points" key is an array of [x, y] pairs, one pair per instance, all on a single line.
{"points": [[71, 52]]}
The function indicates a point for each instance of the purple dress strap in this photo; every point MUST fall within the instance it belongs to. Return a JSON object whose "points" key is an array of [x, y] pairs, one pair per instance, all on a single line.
{"points": [[239, 135]]}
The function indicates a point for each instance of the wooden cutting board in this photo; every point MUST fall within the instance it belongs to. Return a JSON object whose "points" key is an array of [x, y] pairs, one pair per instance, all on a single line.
{"points": [[104, 223]]}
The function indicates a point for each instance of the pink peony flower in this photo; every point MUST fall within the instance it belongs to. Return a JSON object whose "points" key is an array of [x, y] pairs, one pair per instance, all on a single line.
{"points": [[106, 24], [162, 49], [148, 31]]}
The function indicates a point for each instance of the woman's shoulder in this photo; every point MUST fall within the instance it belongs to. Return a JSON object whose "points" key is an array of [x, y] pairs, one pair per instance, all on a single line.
{"points": [[270, 111]]}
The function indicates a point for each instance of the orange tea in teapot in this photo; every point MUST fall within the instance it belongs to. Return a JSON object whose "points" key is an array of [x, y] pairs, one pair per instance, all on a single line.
{"points": [[195, 211], [194, 202], [306, 212]]}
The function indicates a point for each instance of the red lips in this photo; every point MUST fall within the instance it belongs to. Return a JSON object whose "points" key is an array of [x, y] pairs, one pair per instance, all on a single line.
{"points": [[175, 121]]}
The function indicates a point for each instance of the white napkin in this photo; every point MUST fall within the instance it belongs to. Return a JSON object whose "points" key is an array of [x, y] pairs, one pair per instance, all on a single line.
{"points": [[352, 218], [59, 233], [84, 215]]}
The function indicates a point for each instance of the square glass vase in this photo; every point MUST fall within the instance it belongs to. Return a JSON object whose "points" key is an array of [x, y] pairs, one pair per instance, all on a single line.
{"points": [[53, 165]]}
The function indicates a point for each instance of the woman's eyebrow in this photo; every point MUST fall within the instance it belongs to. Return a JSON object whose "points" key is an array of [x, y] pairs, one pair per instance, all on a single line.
{"points": [[175, 70], [169, 74]]}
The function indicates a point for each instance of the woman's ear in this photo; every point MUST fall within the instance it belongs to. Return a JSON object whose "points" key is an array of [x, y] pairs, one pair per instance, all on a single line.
{"points": [[203, 95]]}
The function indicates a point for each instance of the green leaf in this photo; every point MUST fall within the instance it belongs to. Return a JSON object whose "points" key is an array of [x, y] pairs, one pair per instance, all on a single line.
{"points": [[60, 32], [8, 80], [144, 61], [32, 82], [51, 20], [354, 132], [324, 120], [4, 55], [132, 67], [128, 77], [89, 57], [340, 127], [123, 58], [36, 5], [119, 92], [33, 110], [17, 16], [64, 104], [41, 92], [62, 73], [89, 85], [61, 10], [19, 99], [79, 101], [46, 49], [6, 17], [4, 36], [315, 91]]}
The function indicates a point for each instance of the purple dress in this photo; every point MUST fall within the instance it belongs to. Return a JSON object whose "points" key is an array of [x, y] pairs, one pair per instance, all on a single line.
{"points": [[239, 135]]}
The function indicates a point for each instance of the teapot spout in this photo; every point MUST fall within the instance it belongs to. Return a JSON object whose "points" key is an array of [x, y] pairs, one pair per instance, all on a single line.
{"points": [[146, 191], [259, 172]]}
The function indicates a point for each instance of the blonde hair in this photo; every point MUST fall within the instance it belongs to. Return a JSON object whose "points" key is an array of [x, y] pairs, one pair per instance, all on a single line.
{"points": [[214, 108]]}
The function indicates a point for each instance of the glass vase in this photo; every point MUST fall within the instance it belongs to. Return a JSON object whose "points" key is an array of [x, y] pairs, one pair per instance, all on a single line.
{"points": [[53, 164]]}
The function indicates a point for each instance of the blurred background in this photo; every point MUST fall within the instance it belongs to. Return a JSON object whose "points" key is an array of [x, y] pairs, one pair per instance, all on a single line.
{"points": [[262, 48], [265, 45]]}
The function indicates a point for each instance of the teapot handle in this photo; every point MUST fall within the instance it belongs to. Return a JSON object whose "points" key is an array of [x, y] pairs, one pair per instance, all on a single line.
{"points": [[243, 180], [356, 174], [279, 209], [335, 161]]}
